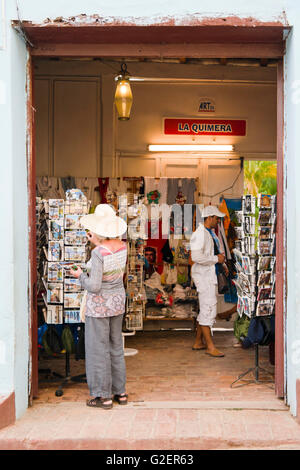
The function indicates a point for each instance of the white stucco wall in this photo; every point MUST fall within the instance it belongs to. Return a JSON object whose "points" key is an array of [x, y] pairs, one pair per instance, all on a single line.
{"points": [[13, 234], [14, 220], [292, 162], [144, 12]]}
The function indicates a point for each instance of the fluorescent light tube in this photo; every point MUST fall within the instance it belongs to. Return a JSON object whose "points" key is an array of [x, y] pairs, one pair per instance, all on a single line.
{"points": [[189, 148]]}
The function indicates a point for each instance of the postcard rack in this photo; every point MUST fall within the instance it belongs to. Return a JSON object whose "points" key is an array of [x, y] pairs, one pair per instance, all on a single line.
{"points": [[255, 262], [66, 245]]}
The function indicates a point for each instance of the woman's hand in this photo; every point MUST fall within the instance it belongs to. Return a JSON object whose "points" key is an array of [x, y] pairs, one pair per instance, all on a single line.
{"points": [[76, 273]]}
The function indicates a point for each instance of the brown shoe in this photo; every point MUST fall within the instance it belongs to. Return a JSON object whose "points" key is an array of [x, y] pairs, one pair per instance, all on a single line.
{"points": [[215, 353]]}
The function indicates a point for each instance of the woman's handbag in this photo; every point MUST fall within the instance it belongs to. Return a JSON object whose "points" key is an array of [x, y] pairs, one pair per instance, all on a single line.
{"points": [[222, 280]]}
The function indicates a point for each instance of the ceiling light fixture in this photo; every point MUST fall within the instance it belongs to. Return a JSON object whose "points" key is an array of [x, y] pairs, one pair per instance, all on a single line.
{"points": [[123, 94], [190, 148]]}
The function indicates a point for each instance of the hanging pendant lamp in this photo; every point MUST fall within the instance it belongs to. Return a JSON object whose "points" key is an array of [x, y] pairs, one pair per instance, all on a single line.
{"points": [[123, 95]]}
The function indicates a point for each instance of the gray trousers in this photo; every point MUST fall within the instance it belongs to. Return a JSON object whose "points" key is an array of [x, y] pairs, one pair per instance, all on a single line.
{"points": [[104, 356]]}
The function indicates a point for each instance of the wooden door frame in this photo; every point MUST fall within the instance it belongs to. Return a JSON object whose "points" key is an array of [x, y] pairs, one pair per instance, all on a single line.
{"points": [[118, 49]]}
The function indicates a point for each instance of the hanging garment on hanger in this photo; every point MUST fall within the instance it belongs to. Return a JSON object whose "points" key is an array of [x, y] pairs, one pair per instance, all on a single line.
{"points": [[156, 189], [172, 190], [87, 186], [188, 188], [49, 187], [68, 182], [103, 185], [226, 220], [117, 185], [142, 186]]}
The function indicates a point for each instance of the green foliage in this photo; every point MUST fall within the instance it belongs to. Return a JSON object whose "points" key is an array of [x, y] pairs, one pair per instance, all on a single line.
{"points": [[260, 177]]}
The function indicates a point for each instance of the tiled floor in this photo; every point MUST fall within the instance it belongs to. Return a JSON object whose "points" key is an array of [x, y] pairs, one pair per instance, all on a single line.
{"points": [[167, 369], [179, 399]]}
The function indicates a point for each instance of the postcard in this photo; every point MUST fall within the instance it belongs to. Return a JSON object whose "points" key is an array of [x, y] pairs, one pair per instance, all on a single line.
{"points": [[55, 293], [56, 208], [249, 245], [265, 217], [54, 314], [249, 225], [55, 272], [72, 285], [72, 316], [264, 293], [75, 253], [72, 300], [265, 247], [264, 201], [265, 232], [55, 250], [72, 222], [246, 265], [238, 287], [239, 216], [76, 207], [56, 229], [264, 263], [240, 232], [75, 237], [264, 278], [249, 204], [247, 306], [264, 308], [240, 306], [75, 195]]}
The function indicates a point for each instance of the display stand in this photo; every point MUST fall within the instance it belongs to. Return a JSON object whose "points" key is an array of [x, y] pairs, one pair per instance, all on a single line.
{"points": [[255, 370], [129, 351], [64, 246], [263, 283], [68, 378]]}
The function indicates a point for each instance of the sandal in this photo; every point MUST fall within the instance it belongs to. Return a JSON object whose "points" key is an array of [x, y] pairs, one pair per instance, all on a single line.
{"points": [[99, 402], [118, 399]]}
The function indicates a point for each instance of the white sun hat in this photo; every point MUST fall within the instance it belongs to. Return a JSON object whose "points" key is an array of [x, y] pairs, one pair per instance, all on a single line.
{"points": [[104, 222], [211, 211]]}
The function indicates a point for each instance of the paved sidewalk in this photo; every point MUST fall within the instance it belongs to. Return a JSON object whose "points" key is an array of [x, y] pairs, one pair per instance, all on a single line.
{"points": [[184, 425], [179, 399]]}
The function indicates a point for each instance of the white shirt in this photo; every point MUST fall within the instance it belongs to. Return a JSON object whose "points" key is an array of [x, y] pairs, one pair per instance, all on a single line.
{"points": [[202, 252]]}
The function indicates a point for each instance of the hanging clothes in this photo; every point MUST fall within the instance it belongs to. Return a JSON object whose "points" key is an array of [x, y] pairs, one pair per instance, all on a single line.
{"points": [[68, 182], [226, 220], [172, 190], [181, 190], [88, 187], [188, 188], [156, 190], [49, 187], [103, 186]]}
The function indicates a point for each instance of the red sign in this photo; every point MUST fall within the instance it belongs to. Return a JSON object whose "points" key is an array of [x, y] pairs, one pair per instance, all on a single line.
{"points": [[204, 126]]}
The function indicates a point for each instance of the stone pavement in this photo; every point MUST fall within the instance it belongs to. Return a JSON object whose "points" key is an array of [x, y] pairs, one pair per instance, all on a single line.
{"points": [[179, 399]]}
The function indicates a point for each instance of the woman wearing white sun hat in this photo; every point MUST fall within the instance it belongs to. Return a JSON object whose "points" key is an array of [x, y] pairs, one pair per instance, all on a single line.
{"points": [[105, 306]]}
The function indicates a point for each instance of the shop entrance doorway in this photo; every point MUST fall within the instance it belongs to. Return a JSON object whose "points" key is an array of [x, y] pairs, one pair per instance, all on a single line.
{"points": [[174, 168]]}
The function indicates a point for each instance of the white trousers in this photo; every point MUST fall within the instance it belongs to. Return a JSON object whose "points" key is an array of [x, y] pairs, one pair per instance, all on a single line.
{"points": [[207, 294]]}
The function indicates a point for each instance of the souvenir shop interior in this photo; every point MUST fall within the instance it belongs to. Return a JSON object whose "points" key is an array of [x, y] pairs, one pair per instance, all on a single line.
{"points": [[192, 133]]}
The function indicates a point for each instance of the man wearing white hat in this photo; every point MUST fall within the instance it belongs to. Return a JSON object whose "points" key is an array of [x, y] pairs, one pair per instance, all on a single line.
{"points": [[203, 252]]}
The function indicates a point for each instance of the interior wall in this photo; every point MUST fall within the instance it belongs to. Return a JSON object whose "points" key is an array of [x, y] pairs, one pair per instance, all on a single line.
{"points": [[78, 134]]}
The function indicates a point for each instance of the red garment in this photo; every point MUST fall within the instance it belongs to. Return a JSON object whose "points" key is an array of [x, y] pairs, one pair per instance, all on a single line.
{"points": [[103, 185]]}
